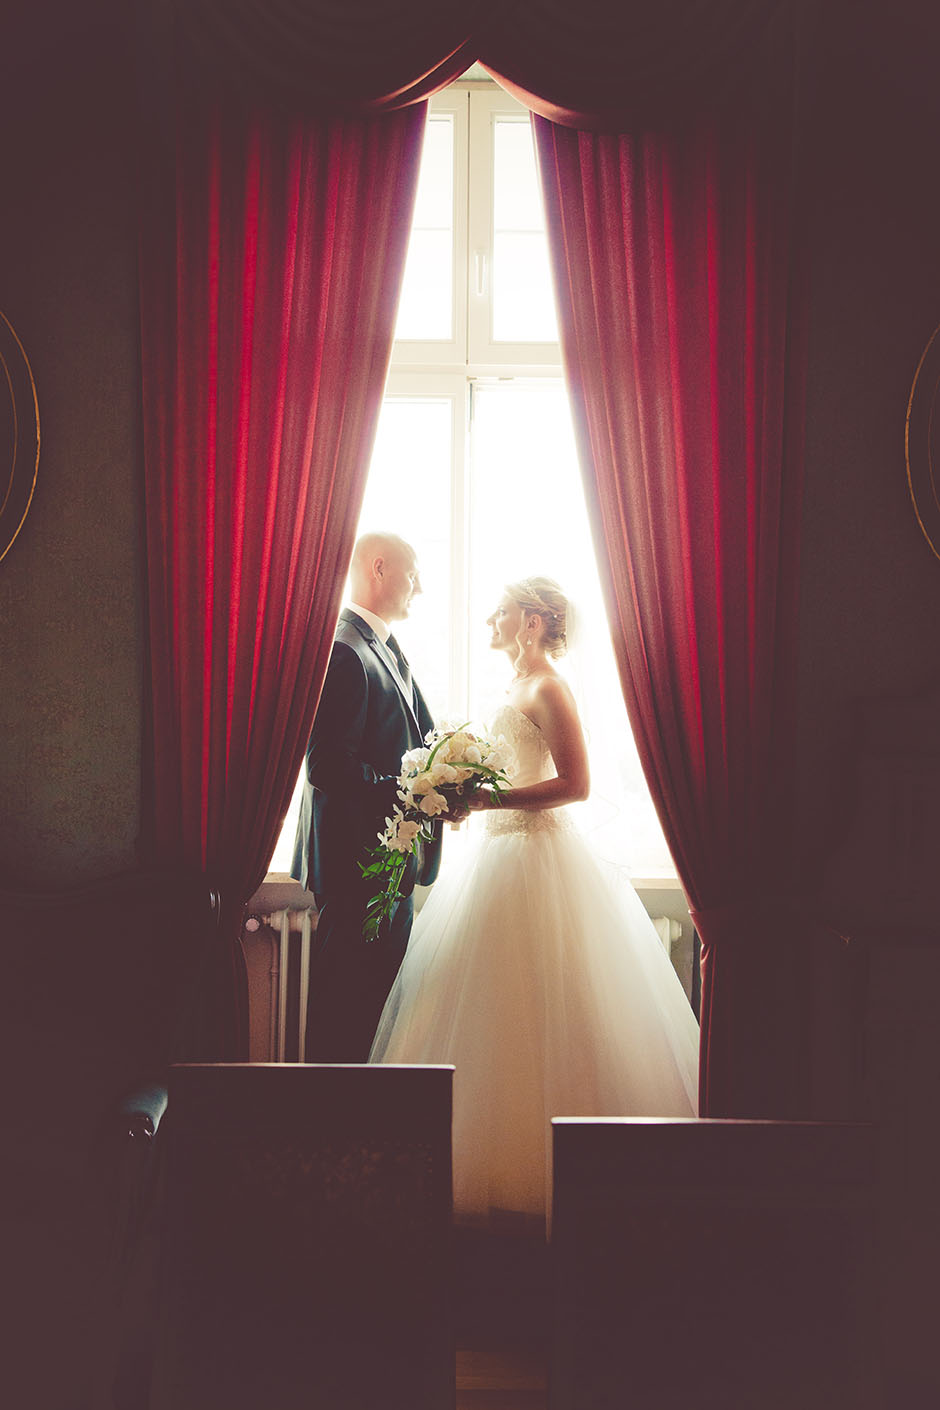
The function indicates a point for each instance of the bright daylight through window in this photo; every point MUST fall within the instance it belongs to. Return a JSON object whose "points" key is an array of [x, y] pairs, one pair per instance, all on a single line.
{"points": [[474, 461]]}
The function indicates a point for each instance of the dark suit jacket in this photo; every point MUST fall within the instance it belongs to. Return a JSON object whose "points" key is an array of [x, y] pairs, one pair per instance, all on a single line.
{"points": [[363, 726]]}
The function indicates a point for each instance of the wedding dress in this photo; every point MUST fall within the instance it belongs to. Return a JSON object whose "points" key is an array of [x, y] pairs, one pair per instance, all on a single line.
{"points": [[546, 987]]}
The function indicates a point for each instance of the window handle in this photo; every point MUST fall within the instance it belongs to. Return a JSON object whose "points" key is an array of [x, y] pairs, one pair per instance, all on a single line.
{"points": [[481, 270]]}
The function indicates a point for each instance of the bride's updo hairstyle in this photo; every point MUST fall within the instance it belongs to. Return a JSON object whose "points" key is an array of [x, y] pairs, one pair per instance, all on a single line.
{"points": [[544, 596]]}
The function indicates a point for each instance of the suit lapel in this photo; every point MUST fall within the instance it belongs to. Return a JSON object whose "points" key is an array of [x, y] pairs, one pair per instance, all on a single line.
{"points": [[386, 658], [388, 661]]}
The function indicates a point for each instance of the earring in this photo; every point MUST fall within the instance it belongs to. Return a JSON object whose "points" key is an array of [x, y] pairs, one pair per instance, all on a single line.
{"points": [[528, 641]]}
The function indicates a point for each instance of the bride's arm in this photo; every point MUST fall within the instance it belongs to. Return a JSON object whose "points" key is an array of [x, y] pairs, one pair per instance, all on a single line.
{"points": [[552, 708]]}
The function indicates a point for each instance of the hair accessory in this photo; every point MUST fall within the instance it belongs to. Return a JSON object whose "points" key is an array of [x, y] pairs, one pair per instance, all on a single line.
{"points": [[537, 602]]}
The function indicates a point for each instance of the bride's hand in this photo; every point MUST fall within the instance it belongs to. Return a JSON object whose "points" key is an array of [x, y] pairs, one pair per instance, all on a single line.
{"points": [[480, 800]]}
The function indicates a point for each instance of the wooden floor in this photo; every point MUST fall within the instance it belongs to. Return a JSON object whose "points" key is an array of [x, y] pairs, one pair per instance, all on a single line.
{"points": [[502, 1307]]}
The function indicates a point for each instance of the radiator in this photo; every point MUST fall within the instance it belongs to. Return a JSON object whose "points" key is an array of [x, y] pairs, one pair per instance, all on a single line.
{"points": [[284, 923], [668, 930]]}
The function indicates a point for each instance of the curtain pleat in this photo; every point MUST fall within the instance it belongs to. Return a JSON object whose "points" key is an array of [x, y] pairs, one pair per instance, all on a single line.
{"points": [[673, 259], [269, 281], [272, 246]]}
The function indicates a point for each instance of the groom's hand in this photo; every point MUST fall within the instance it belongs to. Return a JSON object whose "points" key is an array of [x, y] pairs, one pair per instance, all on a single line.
{"points": [[457, 813], [460, 802]]}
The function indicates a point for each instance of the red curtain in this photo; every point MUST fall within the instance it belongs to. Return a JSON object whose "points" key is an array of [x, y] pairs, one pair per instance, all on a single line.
{"points": [[674, 265], [271, 256]]}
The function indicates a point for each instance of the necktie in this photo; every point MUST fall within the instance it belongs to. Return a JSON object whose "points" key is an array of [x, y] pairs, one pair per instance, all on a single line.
{"points": [[404, 670]]}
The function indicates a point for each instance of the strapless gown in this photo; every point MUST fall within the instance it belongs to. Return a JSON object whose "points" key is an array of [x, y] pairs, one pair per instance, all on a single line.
{"points": [[548, 989]]}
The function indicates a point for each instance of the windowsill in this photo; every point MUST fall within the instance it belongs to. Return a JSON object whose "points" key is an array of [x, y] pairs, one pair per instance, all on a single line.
{"points": [[279, 891]]}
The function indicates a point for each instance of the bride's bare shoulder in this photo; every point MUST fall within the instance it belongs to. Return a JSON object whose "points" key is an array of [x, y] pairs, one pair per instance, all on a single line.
{"points": [[550, 694]]}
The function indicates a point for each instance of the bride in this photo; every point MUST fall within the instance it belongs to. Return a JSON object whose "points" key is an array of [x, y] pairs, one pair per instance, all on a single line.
{"points": [[549, 992]]}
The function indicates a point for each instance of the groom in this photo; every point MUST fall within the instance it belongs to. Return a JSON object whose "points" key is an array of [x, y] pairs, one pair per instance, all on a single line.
{"points": [[370, 713]]}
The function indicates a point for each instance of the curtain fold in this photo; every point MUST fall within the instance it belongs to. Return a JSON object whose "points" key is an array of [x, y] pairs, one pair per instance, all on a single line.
{"points": [[673, 256], [271, 256], [271, 259]]}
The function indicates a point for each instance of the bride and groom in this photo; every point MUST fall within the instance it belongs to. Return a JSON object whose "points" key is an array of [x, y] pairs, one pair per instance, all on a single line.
{"points": [[548, 991]]}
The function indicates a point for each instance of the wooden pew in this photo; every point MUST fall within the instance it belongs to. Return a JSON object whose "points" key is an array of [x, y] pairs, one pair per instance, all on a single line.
{"points": [[307, 1239]]}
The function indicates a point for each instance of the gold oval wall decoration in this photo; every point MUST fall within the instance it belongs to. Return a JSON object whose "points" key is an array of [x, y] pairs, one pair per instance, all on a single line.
{"points": [[19, 435], [922, 442]]}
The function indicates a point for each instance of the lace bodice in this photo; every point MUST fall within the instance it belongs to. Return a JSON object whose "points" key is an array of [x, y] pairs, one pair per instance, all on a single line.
{"points": [[533, 764]]}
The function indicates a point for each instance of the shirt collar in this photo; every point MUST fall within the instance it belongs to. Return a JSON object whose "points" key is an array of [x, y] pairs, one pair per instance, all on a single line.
{"points": [[382, 630]]}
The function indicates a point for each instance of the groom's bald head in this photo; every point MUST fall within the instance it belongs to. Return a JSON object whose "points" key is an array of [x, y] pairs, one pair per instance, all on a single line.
{"points": [[383, 575]]}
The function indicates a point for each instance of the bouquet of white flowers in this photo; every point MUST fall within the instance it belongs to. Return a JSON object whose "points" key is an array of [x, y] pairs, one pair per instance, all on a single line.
{"points": [[451, 765]]}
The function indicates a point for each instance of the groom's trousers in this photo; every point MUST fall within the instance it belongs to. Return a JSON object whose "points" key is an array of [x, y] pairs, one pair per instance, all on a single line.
{"points": [[350, 978]]}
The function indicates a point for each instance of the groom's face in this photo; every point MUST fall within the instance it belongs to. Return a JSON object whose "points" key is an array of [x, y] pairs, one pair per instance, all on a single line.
{"points": [[400, 582]]}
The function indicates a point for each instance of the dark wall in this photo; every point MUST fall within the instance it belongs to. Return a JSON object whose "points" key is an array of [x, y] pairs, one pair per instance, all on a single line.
{"points": [[870, 611], [70, 653]]}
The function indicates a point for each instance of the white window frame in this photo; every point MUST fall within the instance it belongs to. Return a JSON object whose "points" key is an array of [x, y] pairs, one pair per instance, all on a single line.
{"points": [[472, 352], [451, 352], [451, 368], [455, 386], [483, 353]]}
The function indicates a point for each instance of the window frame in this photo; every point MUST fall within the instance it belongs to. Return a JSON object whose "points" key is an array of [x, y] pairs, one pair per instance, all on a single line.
{"points": [[452, 368], [447, 353], [483, 352], [472, 352]]}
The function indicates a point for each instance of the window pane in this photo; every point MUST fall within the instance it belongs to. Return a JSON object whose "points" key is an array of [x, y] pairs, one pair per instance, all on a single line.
{"points": [[528, 518], [425, 312], [517, 202], [434, 204], [284, 851], [523, 301], [408, 493]]}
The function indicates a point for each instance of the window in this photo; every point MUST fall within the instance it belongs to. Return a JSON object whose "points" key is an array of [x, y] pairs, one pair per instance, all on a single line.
{"points": [[474, 461]]}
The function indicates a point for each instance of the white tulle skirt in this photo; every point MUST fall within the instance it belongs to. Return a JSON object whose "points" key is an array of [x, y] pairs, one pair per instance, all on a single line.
{"points": [[549, 990]]}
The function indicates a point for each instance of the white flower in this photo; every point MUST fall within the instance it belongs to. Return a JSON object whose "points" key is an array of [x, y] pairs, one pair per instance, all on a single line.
{"points": [[442, 772], [433, 803], [407, 832], [457, 743], [501, 756], [414, 761], [391, 826], [400, 833], [424, 783], [473, 754]]}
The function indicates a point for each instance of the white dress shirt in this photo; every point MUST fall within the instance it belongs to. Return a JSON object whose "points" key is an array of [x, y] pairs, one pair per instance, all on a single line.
{"points": [[382, 629]]}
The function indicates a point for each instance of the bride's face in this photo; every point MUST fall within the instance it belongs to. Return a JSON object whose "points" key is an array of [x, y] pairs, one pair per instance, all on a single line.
{"points": [[505, 624]]}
